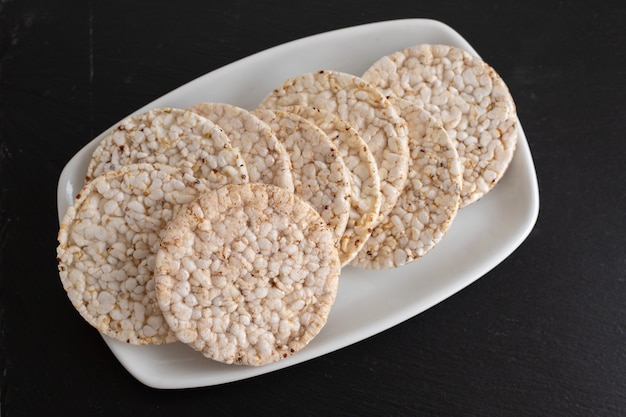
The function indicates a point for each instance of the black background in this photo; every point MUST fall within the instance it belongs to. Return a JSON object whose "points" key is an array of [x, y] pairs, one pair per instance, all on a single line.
{"points": [[544, 333]]}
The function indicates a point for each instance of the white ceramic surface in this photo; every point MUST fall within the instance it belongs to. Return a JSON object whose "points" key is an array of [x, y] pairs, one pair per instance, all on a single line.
{"points": [[368, 302]]}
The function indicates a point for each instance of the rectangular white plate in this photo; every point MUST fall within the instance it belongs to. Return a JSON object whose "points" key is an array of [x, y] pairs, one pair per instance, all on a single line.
{"points": [[368, 302]]}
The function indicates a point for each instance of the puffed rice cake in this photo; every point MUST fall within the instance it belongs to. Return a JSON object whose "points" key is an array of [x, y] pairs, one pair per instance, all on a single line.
{"points": [[247, 274], [365, 196], [319, 174], [468, 96], [265, 157], [363, 107], [429, 201], [175, 137], [108, 240]]}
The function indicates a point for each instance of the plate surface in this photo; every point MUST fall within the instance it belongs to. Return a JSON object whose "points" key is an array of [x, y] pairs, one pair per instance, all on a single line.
{"points": [[368, 302]]}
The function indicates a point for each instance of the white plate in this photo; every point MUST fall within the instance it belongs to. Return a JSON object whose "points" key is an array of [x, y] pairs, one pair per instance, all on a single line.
{"points": [[368, 302]]}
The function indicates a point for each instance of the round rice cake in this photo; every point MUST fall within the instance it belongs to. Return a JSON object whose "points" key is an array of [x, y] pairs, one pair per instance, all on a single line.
{"points": [[468, 96], [108, 240], [247, 274], [364, 108], [365, 196], [320, 176], [265, 157], [430, 199], [175, 137]]}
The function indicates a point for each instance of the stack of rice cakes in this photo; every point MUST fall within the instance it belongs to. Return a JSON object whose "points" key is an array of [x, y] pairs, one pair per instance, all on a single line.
{"points": [[227, 229]]}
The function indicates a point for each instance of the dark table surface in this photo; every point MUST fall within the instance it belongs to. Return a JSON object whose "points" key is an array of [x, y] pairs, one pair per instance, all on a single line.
{"points": [[543, 333]]}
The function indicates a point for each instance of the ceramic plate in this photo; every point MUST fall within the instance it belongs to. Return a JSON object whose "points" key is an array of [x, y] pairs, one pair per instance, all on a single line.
{"points": [[368, 302]]}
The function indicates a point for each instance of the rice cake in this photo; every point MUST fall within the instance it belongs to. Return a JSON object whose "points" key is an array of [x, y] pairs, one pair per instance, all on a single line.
{"points": [[319, 174], [364, 108], [265, 157], [468, 96], [365, 196], [430, 199], [173, 137], [247, 274], [108, 240]]}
